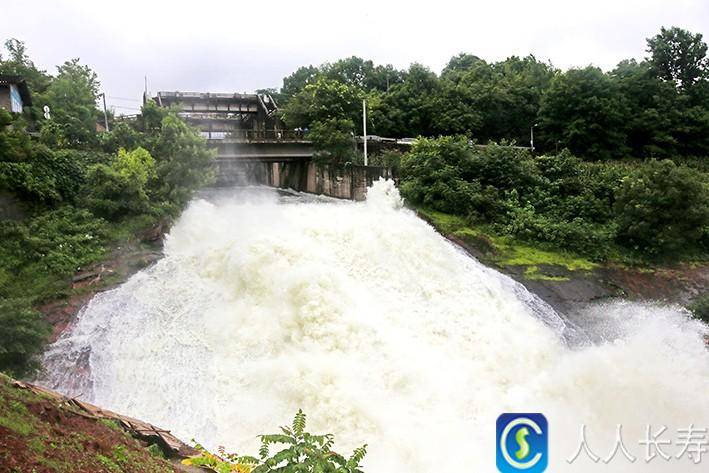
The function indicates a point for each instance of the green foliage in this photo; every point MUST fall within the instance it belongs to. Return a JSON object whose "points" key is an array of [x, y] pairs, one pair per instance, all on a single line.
{"points": [[387, 158], [322, 100], [653, 209], [183, 163], [407, 109], [434, 175], [584, 111], [66, 181], [700, 308], [658, 107], [72, 96], [678, 56], [22, 334], [663, 208], [333, 141], [299, 451], [18, 63], [119, 189]]}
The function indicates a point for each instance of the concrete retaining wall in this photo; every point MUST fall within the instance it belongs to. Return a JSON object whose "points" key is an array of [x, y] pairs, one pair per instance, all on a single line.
{"points": [[349, 182]]}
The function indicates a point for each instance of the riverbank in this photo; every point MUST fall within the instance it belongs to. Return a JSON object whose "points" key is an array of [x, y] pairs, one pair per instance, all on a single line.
{"points": [[566, 281], [43, 431], [123, 257]]}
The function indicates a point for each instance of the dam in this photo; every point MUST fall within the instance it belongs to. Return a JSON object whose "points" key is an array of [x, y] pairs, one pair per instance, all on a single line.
{"points": [[381, 330]]}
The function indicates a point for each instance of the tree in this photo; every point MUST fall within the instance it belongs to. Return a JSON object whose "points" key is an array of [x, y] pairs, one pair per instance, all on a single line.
{"points": [[118, 189], [333, 141], [678, 56], [18, 63], [407, 110], [362, 74], [22, 335], [662, 208], [297, 81], [72, 98], [435, 174], [584, 111], [183, 163], [322, 100], [654, 110]]}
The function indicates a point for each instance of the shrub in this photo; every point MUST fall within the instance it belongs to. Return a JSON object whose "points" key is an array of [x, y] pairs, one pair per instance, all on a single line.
{"points": [[333, 141], [662, 208], [700, 308], [301, 452], [22, 335], [119, 189]]}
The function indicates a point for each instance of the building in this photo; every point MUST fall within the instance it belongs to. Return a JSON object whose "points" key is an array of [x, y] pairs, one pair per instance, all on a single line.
{"points": [[222, 116], [14, 94]]}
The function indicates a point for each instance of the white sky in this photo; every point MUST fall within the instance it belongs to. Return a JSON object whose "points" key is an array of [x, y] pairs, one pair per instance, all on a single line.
{"points": [[239, 46]]}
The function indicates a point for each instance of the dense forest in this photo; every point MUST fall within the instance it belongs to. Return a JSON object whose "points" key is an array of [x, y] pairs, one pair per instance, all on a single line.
{"points": [[618, 170], [657, 107]]}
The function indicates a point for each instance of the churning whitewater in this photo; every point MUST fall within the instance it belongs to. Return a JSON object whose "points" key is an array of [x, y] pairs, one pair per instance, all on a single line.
{"points": [[383, 332]]}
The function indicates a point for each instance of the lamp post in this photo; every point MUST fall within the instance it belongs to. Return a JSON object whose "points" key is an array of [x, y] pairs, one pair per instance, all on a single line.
{"points": [[105, 115], [531, 137], [364, 128]]}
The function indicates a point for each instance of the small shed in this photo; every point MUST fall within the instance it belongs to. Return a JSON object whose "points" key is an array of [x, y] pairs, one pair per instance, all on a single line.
{"points": [[14, 94]]}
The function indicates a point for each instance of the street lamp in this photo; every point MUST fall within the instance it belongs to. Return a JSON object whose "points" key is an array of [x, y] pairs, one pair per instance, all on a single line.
{"points": [[364, 128], [105, 115], [531, 136]]}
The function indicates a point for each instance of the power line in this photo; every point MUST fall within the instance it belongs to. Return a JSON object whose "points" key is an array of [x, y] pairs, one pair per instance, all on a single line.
{"points": [[123, 98], [127, 108]]}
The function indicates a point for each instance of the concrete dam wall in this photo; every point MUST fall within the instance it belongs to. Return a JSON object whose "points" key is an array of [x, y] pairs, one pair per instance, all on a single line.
{"points": [[344, 182]]}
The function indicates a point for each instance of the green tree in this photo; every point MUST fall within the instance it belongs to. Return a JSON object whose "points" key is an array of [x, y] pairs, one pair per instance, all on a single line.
{"points": [[297, 81], [72, 97], [18, 63], [183, 163], [583, 110], [323, 100], [655, 110], [662, 208], [363, 74], [678, 56], [487, 102], [22, 335], [408, 108], [436, 174], [333, 141], [118, 189]]}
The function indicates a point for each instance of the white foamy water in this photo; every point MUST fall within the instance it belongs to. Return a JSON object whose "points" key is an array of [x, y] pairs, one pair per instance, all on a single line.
{"points": [[382, 332]]}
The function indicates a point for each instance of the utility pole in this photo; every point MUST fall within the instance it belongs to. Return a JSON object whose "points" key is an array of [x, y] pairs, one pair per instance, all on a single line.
{"points": [[364, 128], [105, 114]]}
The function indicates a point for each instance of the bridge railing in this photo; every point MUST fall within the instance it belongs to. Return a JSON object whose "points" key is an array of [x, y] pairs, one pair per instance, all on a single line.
{"points": [[256, 135]]}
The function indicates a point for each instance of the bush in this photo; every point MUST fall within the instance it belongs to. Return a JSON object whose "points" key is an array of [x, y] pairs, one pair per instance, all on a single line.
{"points": [[301, 452], [700, 308], [576, 234], [333, 141], [23, 332], [662, 208], [120, 189]]}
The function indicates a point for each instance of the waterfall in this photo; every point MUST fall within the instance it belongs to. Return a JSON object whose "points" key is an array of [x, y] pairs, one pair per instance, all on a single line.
{"points": [[382, 331]]}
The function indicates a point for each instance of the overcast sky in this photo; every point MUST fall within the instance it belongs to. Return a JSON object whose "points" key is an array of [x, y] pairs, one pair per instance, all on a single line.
{"points": [[239, 46]]}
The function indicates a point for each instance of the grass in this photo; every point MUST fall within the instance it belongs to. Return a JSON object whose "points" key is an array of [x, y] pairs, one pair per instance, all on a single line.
{"points": [[41, 434], [506, 250]]}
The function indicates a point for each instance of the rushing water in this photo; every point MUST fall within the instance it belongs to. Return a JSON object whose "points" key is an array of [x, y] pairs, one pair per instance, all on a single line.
{"points": [[382, 331]]}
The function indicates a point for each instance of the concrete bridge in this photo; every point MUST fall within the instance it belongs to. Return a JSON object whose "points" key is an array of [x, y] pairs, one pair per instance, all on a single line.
{"points": [[241, 127], [253, 145], [262, 145]]}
